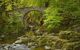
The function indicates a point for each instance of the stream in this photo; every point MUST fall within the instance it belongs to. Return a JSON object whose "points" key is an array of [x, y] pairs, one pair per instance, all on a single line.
{"points": [[14, 47]]}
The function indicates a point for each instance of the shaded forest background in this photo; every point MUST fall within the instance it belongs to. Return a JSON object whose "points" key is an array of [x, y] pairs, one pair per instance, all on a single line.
{"points": [[58, 27]]}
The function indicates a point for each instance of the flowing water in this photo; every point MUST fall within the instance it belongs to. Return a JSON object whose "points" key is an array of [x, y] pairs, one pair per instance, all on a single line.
{"points": [[14, 47]]}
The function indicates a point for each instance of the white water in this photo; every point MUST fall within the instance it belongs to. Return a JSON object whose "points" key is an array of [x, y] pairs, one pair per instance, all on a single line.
{"points": [[14, 47]]}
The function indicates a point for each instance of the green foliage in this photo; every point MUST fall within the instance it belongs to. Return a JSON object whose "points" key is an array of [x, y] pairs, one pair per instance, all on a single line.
{"points": [[10, 25], [62, 14], [52, 19], [59, 15]]}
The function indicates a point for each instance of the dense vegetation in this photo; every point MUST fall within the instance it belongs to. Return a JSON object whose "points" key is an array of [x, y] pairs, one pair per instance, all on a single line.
{"points": [[58, 27]]}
